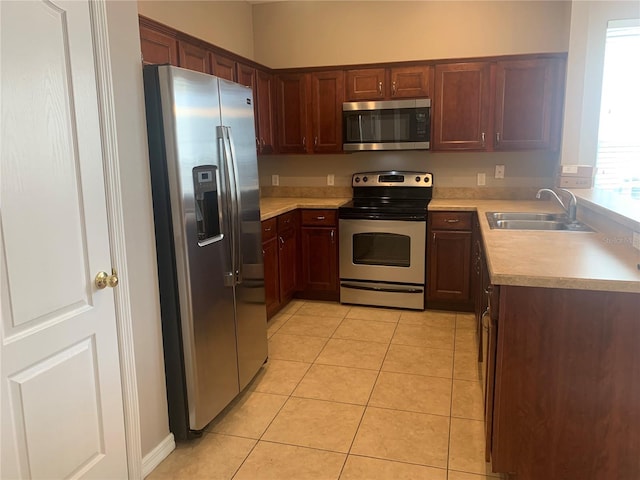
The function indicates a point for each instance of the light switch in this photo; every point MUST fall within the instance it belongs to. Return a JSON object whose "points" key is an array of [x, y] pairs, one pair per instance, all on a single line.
{"points": [[275, 180], [482, 179]]}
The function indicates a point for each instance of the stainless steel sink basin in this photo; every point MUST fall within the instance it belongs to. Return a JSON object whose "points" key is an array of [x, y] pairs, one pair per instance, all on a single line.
{"points": [[534, 221]]}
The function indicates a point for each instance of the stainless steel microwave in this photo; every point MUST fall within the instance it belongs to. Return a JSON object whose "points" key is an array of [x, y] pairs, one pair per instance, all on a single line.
{"points": [[386, 125]]}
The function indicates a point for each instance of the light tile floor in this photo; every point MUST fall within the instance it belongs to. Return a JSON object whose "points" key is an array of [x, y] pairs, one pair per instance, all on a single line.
{"points": [[351, 393]]}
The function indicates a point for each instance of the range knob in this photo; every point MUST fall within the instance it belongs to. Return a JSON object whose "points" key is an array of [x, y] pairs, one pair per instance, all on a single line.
{"points": [[417, 179], [364, 179], [357, 179], [426, 179]]}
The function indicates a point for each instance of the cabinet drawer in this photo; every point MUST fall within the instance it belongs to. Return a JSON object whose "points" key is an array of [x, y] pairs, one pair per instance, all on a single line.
{"points": [[287, 220], [450, 220], [319, 217], [269, 229]]}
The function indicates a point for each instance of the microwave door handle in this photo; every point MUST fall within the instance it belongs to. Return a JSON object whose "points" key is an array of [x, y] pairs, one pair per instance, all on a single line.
{"points": [[360, 127]]}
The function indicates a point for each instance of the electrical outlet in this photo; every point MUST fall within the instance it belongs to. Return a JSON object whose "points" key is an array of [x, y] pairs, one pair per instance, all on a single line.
{"points": [[275, 180], [636, 240], [499, 171], [331, 178], [482, 179]]}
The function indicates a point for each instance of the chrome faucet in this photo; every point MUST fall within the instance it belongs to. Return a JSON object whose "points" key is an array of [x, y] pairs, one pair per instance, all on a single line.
{"points": [[571, 210]]}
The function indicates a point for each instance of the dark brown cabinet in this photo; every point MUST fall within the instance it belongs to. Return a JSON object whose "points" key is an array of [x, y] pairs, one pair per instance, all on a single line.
{"points": [[310, 112], [193, 57], [327, 95], [503, 105], [449, 260], [246, 75], [528, 104], [264, 116], [461, 106], [291, 99], [158, 47], [288, 258], [270, 247], [388, 83], [319, 245], [280, 250], [222, 66]]}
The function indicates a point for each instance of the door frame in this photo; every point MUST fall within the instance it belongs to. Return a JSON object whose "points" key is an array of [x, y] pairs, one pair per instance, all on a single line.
{"points": [[115, 223]]}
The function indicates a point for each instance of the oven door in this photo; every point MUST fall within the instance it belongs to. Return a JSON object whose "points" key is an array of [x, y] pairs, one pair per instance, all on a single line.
{"points": [[383, 250]]}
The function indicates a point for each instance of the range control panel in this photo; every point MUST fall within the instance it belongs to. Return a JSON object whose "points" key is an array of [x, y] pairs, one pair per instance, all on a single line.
{"points": [[392, 179]]}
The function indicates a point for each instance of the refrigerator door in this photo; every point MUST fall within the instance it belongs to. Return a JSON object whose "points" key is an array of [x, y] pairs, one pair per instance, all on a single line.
{"points": [[200, 201], [236, 104]]}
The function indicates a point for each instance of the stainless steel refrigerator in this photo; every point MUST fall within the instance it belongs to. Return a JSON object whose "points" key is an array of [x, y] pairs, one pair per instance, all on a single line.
{"points": [[207, 221]]}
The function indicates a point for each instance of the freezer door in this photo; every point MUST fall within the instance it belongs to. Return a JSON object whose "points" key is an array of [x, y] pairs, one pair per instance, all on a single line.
{"points": [[199, 205], [251, 320]]}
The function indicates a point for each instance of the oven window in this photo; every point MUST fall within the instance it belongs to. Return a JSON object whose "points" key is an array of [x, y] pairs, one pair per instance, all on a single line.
{"points": [[377, 248]]}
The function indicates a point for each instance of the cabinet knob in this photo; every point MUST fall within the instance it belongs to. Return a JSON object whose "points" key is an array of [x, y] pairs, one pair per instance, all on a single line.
{"points": [[320, 217], [497, 138], [394, 90], [452, 220], [482, 138], [380, 88], [304, 142], [315, 142]]}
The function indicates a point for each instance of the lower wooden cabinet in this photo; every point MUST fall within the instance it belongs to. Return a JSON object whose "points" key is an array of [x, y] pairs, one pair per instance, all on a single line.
{"points": [[449, 248], [280, 238], [319, 245]]}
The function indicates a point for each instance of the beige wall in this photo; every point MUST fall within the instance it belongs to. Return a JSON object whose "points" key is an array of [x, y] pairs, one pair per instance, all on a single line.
{"points": [[526, 169], [225, 24], [135, 186], [584, 76], [294, 34]]}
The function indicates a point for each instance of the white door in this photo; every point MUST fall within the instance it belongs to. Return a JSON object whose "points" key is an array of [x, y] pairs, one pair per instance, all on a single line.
{"points": [[61, 396]]}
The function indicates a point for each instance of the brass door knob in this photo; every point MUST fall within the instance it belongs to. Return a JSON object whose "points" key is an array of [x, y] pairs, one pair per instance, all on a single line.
{"points": [[103, 279]]}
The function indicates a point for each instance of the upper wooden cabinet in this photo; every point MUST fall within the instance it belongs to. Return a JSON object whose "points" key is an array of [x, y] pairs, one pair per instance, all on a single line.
{"points": [[461, 106], [528, 104], [387, 83], [291, 99], [246, 75], [193, 57], [222, 66], [504, 105], [327, 95], [265, 120], [157, 46], [309, 112]]}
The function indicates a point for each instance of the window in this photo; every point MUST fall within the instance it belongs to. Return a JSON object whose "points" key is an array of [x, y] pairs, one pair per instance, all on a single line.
{"points": [[618, 156]]}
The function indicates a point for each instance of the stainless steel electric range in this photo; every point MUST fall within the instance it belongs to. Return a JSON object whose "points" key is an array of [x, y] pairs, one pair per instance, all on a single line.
{"points": [[383, 234]]}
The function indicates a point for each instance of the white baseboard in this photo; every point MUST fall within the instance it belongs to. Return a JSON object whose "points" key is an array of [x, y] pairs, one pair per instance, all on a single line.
{"points": [[152, 459]]}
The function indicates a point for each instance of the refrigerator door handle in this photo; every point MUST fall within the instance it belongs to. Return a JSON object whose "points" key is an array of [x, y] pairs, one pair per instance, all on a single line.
{"points": [[230, 155], [236, 189], [230, 274]]}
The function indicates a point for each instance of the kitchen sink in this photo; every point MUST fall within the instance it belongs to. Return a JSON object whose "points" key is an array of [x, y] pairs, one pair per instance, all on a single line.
{"points": [[534, 221]]}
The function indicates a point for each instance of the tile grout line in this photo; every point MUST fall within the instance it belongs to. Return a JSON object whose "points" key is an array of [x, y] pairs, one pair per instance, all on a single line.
{"points": [[364, 410]]}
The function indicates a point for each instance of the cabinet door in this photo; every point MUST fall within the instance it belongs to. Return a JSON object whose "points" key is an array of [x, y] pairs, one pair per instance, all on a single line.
{"points": [[528, 104], [223, 67], [365, 84], [410, 82], [292, 113], [271, 276], [264, 93], [320, 259], [288, 262], [327, 94], [193, 57], [246, 76], [461, 106], [157, 47], [450, 258]]}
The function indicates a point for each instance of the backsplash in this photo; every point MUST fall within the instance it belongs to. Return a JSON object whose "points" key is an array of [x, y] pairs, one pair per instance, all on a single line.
{"points": [[450, 170]]}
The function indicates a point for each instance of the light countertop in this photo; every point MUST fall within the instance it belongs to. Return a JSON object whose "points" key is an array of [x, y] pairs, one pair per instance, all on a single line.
{"points": [[554, 259], [274, 206]]}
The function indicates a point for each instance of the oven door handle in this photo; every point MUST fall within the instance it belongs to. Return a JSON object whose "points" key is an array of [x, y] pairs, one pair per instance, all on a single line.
{"points": [[383, 289]]}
